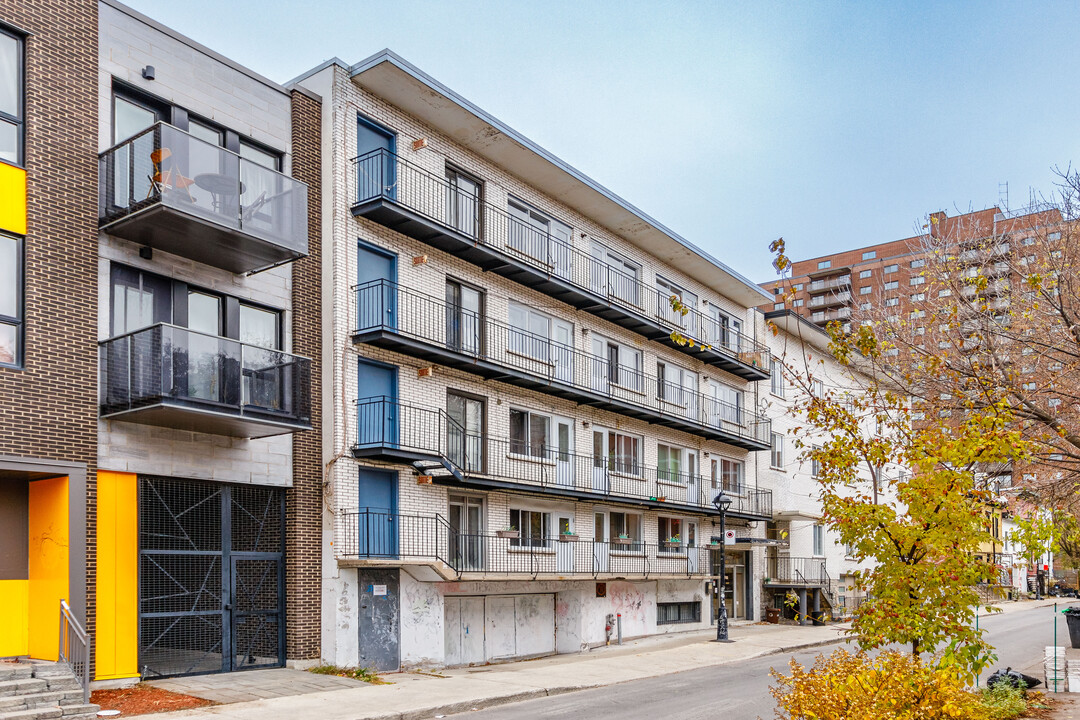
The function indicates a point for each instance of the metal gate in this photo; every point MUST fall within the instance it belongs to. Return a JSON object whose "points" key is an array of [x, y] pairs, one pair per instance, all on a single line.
{"points": [[211, 577]]}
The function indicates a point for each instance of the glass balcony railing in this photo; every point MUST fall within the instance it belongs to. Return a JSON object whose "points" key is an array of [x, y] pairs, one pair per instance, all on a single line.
{"points": [[174, 192], [175, 377]]}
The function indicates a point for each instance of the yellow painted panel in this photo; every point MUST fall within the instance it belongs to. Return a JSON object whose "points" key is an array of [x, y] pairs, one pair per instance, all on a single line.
{"points": [[49, 562], [12, 199], [116, 639], [14, 609]]}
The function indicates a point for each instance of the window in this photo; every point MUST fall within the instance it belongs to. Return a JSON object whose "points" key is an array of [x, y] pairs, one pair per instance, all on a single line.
{"points": [[866, 290], [615, 276], [11, 301], [918, 313], [777, 290], [869, 255], [617, 451], [727, 475], [944, 293], [465, 430], [626, 526], [776, 377], [797, 303], [815, 464], [918, 297], [917, 264], [824, 264], [532, 334], [866, 306], [1029, 386], [776, 456], [1027, 242], [819, 539], [529, 433], [672, 613], [917, 280], [1054, 236], [863, 274], [891, 269], [12, 102], [817, 387], [778, 306], [892, 285], [797, 287], [676, 385], [687, 298], [669, 530], [539, 238], [616, 364], [464, 318], [533, 525], [675, 464], [892, 302], [463, 202]]}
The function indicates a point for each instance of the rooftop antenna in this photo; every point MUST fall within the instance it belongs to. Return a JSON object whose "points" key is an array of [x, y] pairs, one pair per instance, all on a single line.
{"points": [[1003, 194]]}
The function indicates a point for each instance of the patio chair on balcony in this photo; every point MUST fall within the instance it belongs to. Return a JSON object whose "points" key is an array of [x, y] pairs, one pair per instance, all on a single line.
{"points": [[170, 179]]}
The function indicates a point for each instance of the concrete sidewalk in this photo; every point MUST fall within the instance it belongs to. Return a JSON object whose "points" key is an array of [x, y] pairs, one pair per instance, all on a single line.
{"points": [[424, 695]]}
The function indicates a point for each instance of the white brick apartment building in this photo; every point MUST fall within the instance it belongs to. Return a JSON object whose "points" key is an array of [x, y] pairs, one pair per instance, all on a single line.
{"points": [[518, 455], [808, 557]]}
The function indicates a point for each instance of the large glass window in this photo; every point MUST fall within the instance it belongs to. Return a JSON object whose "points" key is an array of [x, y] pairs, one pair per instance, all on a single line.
{"points": [[11, 312], [534, 527], [11, 98], [529, 433]]}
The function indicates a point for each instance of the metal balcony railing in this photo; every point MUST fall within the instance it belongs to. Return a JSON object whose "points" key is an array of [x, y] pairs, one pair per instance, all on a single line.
{"points": [[394, 313], [382, 175], [384, 423], [827, 300], [798, 571], [211, 198], [173, 367], [376, 534]]}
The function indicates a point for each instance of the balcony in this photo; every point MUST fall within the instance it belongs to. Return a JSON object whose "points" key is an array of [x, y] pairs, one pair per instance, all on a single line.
{"points": [[830, 300], [398, 432], [797, 572], [176, 193], [174, 377], [379, 537], [820, 286], [403, 320], [423, 205]]}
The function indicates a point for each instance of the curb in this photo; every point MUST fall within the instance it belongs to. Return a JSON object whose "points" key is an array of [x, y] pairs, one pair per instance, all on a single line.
{"points": [[496, 701]]}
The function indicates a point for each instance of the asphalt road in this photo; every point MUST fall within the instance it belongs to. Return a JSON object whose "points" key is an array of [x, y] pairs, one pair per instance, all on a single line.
{"points": [[740, 691]]}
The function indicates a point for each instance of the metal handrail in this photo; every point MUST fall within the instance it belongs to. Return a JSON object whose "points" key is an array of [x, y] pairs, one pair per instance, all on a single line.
{"points": [[432, 196], [385, 305], [430, 431], [74, 648]]}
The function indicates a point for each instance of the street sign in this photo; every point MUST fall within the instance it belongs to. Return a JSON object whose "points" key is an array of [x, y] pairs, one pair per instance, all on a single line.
{"points": [[729, 537]]}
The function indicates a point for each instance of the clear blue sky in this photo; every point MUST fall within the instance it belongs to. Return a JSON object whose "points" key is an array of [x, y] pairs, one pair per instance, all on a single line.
{"points": [[832, 124]]}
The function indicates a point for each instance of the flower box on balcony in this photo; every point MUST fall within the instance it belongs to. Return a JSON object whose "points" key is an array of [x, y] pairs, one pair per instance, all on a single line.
{"points": [[508, 534], [672, 544], [622, 541], [568, 537]]}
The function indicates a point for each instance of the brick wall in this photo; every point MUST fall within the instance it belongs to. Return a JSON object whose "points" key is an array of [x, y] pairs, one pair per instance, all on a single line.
{"points": [[50, 407], [304, 500]]}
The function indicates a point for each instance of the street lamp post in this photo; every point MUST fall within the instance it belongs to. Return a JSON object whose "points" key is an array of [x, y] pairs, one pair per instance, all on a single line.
{"points": [[722, 502]]}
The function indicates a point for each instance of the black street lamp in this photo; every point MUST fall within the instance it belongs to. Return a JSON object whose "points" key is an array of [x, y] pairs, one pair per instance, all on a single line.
{"points": [[722, 502]]}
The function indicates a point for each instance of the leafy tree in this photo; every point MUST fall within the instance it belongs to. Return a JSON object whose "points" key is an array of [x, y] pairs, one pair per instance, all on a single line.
{"points": [[1035, 533], [902, 496]]}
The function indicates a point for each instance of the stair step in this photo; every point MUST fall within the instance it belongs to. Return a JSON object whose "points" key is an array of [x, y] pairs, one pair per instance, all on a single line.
{"points": [[15, 671], [62, 682], [70, 710], [33, 714], [19, 702], [23, 686]]}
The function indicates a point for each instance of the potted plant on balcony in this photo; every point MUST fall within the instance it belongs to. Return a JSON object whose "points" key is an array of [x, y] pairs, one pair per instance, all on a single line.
{"points": [[673, 542], [567, 536], [622, 539], [509, 533]]}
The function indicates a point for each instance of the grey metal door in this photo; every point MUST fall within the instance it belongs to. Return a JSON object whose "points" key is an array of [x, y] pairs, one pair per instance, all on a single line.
{"points": [[379, 631]]}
